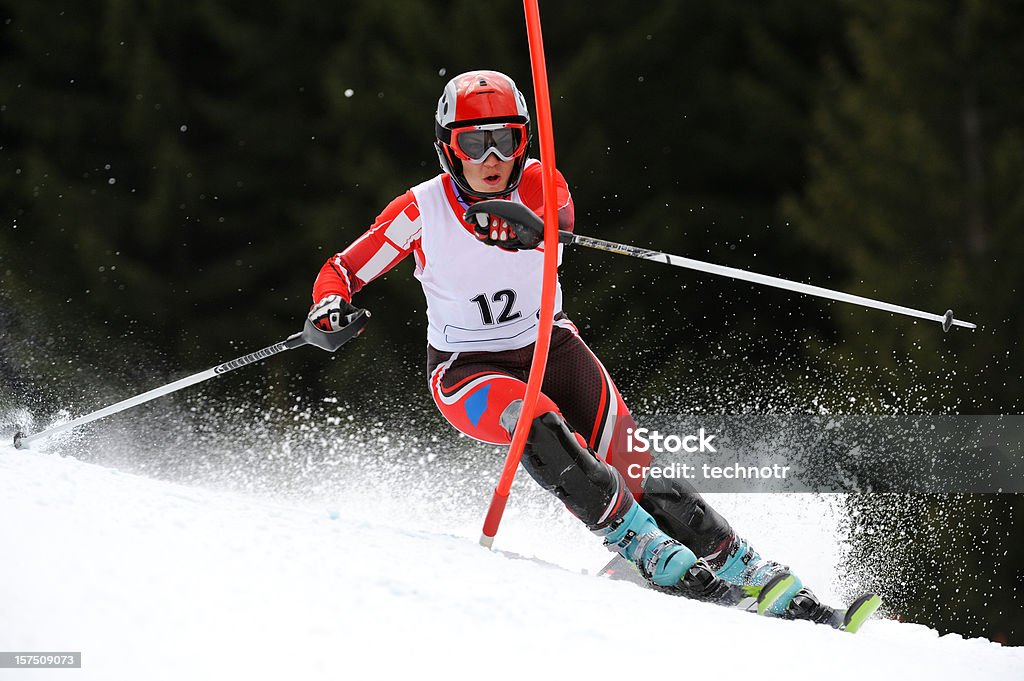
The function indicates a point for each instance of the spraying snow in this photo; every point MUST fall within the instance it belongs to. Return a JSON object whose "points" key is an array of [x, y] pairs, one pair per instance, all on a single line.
{"points": [[147, 578]]}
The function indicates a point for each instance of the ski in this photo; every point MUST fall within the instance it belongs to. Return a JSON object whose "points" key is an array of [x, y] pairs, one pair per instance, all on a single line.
{"points": [[748, 598], [761, 598], [859, 612]]}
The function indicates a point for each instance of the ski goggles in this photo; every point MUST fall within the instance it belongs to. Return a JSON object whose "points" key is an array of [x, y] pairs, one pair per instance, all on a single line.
{"points": [[476, 142]]}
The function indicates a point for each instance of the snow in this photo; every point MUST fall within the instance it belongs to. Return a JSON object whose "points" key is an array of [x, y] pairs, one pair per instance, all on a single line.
{"points": [[156, 580]]}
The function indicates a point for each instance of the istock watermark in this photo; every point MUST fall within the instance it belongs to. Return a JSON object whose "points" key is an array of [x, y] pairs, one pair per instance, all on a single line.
{"points": [[644, 440], [682, 471], [946, 454]]}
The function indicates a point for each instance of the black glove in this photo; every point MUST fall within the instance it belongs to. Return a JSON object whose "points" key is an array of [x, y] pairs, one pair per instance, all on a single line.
{"points": [[332, 313], [506, 224]]}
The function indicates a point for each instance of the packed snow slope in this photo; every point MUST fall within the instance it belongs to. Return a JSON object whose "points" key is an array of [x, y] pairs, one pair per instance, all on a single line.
{"points": [[154, 580]]}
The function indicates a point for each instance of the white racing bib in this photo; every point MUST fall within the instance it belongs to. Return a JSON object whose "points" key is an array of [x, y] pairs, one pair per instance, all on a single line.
{"points": [[479, 297]]}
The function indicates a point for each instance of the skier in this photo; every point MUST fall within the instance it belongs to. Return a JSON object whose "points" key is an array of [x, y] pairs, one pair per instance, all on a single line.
{"points": [[481, 276]]}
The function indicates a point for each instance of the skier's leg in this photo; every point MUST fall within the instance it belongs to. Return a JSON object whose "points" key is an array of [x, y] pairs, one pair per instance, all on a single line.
{"points": [[577, 381], [684, 514], [591, 403], [479, 398], [580, 384], [595, 492]]}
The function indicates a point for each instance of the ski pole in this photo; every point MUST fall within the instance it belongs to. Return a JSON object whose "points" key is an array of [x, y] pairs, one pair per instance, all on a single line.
{"points": [[946, 320], [530, 223], [310, 335]]}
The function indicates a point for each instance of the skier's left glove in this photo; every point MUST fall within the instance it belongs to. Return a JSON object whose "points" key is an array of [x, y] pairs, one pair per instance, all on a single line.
{"points": [[506, 224], [332, 313]]}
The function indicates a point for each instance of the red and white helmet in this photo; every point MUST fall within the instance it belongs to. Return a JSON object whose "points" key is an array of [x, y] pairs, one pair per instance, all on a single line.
{"points": [[481, 113]]}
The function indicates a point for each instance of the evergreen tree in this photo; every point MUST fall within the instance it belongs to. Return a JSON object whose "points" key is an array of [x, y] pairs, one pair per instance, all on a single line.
{"points": [[914, 197]]}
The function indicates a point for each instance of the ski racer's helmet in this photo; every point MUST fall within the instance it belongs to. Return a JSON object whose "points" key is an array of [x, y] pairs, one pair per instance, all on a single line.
{"points": [[480, 113]]}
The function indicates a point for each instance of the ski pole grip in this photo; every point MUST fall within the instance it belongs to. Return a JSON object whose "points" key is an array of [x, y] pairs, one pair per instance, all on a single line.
{"points": [[330, 340]]}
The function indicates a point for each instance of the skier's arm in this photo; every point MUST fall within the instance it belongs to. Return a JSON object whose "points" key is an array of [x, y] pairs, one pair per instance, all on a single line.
{"points": [[525, 232], [394, 235], [531, 191], [516, 226]]}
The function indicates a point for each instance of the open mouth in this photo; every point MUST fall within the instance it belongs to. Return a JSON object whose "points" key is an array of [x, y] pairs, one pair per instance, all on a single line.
{"points": [[492, 179]]}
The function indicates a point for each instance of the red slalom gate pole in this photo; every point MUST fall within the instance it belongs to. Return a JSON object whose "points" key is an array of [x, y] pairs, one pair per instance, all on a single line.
{"points": [[547, 302]]}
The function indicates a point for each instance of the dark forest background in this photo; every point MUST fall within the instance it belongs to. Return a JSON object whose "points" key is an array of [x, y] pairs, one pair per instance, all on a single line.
{"points": [[172, 176]]}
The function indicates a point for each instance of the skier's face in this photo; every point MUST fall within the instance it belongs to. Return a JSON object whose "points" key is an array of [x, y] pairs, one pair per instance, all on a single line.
{"points": [[490, 176]]}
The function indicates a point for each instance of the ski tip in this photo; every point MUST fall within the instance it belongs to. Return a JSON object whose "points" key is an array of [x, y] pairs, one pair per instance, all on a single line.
{"points": [[860, 611]]}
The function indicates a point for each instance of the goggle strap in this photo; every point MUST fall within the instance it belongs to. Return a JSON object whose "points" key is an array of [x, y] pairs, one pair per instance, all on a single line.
{"points": [[442, 133]]}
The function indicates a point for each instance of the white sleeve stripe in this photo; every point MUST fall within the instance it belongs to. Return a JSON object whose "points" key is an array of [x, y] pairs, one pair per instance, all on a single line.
{"points": [[340, 269], [378, 263], [402, 231]]}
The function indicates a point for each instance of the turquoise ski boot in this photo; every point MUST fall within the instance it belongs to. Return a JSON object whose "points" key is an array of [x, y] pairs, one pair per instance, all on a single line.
{"points": [[667, 565], [740, 564]]}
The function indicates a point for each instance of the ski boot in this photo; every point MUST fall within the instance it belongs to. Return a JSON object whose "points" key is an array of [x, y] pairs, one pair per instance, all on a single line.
{"points": [[806, 606], [738, 563], [670, 566]]}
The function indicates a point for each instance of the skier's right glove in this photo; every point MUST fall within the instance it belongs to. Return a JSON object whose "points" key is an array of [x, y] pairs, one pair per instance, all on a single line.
{"points": [[332, 313], [506, 224]]}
